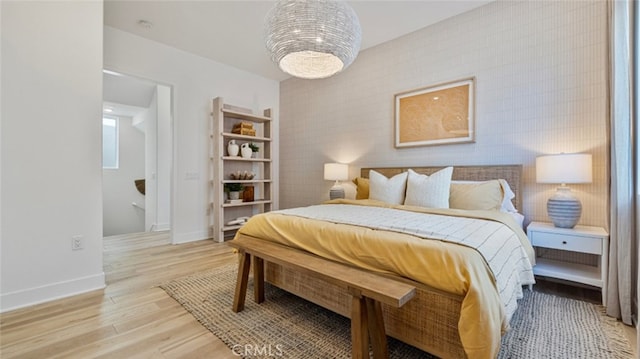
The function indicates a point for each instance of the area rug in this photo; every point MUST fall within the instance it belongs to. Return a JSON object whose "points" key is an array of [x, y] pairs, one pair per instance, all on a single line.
{"points": [[286, 326]]}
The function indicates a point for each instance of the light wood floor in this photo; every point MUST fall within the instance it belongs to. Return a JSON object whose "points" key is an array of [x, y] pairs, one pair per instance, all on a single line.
{"points": [[132, 317]]}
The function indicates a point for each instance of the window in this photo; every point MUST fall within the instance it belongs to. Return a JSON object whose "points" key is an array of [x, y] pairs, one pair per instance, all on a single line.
{"points": [[110, 142]]}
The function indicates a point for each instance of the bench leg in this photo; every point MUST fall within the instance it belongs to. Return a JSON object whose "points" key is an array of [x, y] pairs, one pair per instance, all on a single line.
{"points": [[359, 332], [244, 265], [376, 329], [258, 279]]}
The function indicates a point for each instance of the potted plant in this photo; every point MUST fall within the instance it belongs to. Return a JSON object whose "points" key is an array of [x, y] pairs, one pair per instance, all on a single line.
{"points": [[254, 147], [233, 189]]}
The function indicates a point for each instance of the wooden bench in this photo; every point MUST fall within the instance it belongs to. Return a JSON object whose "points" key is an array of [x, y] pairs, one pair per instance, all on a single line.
{"points": [[368, 289]]}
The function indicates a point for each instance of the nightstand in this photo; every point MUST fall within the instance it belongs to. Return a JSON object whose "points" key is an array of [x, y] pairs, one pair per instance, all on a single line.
{"points": [[582, 239]]}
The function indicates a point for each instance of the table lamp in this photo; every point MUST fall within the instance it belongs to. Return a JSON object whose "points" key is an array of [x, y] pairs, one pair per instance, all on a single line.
{"points": [[563, 207], [336, 172]]}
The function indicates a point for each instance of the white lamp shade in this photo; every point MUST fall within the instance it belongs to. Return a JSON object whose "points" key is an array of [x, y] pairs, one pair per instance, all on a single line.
{"points": [[564, 168], [336, 171]]}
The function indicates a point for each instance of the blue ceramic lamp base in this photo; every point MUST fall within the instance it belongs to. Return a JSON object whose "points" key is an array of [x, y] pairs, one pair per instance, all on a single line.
{"points": [[564, 208], [336, 192]]}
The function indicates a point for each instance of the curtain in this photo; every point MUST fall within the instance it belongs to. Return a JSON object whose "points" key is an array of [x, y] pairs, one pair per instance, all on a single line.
{"points": [[622, 190]]}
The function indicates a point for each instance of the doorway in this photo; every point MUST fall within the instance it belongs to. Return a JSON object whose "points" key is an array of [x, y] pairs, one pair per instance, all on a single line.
{"points": [[137, 153]]}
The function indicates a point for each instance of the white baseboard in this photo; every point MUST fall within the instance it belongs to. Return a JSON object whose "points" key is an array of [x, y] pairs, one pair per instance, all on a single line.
{"points": [[161, 227], [189, 237], [46, 293]]}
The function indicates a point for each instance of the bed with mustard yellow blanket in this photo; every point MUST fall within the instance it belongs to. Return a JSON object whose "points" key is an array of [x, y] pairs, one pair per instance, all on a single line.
{"points": [[469, 266]]}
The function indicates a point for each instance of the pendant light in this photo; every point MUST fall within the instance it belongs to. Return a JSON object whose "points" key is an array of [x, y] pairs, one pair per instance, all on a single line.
{"points": [[312, 39]]}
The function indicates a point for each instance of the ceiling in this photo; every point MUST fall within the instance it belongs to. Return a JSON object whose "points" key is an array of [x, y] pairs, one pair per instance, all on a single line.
{"points": [[127, 90], [230, 32], [124, 95]]}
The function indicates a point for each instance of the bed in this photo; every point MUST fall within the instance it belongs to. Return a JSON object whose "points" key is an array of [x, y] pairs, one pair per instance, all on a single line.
{"points": [[460, 308]]}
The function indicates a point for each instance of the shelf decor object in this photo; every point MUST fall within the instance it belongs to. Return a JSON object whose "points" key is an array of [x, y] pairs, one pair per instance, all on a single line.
{"points": [[312, 39], [336, 172], [233, 148], [245, 150], [563, 207]]}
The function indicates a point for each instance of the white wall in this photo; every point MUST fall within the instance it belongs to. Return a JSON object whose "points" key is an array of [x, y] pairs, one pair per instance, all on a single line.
{"points": [[51, 105], [118, 187], [195, 81], [541, 87]]}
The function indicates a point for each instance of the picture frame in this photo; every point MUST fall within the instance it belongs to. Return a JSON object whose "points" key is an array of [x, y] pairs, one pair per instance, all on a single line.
{"points": [[436, 115]]}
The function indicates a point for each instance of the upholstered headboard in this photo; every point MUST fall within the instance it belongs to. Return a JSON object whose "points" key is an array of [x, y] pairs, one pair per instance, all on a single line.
{"points": [[510, 173]]}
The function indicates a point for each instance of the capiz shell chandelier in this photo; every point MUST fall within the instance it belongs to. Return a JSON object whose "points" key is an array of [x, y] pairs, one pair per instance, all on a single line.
{"points": [[312, 39]]}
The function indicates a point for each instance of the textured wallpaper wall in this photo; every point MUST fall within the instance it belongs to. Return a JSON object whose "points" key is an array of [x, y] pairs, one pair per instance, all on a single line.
{"points": [[541, 87]]}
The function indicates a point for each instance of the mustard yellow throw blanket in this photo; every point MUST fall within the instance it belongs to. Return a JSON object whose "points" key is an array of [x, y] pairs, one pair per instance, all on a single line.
{"points": [[442, 248]]}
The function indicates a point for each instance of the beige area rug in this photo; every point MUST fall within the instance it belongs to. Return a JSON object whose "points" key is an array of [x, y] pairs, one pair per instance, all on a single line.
{"points": [[286, 326]]}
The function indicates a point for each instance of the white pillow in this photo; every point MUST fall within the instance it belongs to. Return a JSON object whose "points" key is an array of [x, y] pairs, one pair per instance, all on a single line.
{"points": [[389, 190], [507, 205], [429, 191], [518, 218]]}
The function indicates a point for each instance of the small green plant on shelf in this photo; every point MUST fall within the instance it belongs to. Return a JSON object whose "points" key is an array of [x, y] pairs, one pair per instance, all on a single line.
{"points": [[254, 147], [233, 187]]}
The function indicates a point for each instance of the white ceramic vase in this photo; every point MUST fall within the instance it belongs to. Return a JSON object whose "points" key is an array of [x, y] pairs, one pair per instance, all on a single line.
{"points": [[233, 148], [246, 151], [234, 195]]}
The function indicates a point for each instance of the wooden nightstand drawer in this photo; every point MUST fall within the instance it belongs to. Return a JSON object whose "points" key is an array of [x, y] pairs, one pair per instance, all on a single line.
{"points": [[567, 242]]}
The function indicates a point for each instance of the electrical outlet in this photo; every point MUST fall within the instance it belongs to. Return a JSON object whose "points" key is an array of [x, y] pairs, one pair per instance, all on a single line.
{"points": [[77, 242]]}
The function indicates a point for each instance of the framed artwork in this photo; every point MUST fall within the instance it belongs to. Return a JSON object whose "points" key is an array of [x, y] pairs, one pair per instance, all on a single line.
{"points": [[436, 115]]}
